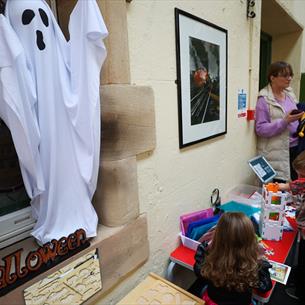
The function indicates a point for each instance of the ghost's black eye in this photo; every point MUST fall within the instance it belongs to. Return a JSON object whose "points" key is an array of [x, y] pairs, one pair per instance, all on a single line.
{"points": [[27, 16], [44, 17]]}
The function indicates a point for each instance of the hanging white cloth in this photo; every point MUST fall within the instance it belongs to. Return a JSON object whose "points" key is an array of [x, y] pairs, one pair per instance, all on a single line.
{"points": [[17, 108], [64, 77]]}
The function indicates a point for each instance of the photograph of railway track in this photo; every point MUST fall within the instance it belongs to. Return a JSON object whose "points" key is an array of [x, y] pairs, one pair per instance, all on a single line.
{"points": [[204, 81], [201, 49]]}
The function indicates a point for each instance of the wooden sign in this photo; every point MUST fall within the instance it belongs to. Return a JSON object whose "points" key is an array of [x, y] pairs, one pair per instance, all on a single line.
{"points": [[73, 284], [14, 273]]}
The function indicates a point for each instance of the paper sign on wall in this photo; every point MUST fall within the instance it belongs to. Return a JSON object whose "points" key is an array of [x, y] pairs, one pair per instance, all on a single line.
{"points": [[242, 103]]}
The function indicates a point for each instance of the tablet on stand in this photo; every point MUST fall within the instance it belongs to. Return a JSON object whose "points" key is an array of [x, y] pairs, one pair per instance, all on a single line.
{"points": [[262, 169]]}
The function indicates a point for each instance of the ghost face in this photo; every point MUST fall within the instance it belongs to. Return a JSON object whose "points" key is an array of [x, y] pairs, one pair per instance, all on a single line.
{"points": [[30, 19], [27, 16]]}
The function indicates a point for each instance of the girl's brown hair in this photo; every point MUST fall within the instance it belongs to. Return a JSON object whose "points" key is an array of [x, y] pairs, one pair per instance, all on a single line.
{"points": [[299, 162], [279, 68], [232, 260]]}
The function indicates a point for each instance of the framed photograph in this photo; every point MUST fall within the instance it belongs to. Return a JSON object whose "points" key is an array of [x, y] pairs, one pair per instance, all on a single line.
{"points": [[201, 51]]}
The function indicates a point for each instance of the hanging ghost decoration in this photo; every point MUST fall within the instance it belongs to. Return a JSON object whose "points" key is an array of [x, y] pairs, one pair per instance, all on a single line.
{"points": [[49, 98]]}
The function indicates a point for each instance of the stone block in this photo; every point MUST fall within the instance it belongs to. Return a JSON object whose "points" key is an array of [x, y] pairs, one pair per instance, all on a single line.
{"points": [[116, 198], [128, 121], [124, 252]]}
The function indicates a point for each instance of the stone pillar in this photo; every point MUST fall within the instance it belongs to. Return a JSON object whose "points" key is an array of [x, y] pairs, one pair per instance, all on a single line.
{"points": [[128, 129], [116, 67]]}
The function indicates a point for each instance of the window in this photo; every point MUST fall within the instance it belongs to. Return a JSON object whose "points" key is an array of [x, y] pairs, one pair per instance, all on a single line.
{"points": [[15, 212], [265, 59]]}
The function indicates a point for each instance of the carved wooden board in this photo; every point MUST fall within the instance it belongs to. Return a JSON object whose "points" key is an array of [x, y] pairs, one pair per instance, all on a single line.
{"points": [[73, 284], [156, 290]]}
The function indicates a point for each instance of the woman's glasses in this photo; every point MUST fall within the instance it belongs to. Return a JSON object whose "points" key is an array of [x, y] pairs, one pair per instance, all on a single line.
{"points": [[285, 75]]}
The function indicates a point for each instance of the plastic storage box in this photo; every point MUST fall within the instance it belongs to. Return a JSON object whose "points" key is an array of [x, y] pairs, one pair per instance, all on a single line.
{"points": [[189, 243], [247, 194], [186, 219]]}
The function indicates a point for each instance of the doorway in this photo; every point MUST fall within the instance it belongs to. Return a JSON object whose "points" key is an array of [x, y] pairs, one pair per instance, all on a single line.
{"points": [[280, 41], [265, 58]]}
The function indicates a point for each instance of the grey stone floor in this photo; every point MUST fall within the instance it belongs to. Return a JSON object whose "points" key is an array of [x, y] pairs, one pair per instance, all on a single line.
{"points": [[279, 297]]}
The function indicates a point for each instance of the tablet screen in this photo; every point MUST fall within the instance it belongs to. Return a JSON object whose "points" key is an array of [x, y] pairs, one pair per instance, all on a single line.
{"points": [[262, 169]]}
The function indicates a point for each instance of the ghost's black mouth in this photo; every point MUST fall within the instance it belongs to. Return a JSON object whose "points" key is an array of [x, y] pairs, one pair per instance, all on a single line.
{"points": [[39, 41]]}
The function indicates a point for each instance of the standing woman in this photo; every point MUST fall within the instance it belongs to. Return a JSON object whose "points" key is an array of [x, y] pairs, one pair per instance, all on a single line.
{"points": [[276, 123]]}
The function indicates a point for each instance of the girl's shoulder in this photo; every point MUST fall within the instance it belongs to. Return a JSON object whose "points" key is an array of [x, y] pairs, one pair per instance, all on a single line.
{"points": [[264, 279], [200, 258], [201, 252], [264, 264]]}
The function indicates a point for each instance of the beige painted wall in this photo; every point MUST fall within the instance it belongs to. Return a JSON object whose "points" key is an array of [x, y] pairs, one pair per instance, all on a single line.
{"points": [[297, 9], [295, 54], [289, 48], [173, 181], [284, 21]]}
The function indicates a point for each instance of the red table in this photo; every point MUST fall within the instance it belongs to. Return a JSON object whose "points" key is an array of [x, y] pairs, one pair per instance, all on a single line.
{"points": [[185, 256]]}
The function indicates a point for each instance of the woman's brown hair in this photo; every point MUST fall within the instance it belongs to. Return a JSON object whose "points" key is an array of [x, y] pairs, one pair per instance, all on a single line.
{"points": [[279, 68], [232, 260]]}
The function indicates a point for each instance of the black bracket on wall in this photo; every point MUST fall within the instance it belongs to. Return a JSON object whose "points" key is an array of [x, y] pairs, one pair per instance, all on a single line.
{"points": [[250, 8]]}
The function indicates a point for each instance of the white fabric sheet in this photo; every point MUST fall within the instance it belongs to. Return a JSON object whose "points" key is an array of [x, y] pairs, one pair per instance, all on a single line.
{"points": [[56, 123]]}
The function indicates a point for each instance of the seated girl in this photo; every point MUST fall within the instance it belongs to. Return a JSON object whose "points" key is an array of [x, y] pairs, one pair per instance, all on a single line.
{"points": [[231, 263]]}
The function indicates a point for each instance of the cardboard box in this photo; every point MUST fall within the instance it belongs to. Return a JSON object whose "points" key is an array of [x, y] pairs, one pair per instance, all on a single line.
{"points": [[156, 290]]}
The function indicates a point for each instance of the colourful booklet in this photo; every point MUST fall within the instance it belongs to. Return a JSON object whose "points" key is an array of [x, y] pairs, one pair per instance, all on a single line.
{"points": [[279, 272]]}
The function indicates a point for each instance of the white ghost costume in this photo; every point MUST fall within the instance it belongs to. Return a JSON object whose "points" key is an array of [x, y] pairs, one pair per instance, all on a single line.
{"points": [[49, 96]]}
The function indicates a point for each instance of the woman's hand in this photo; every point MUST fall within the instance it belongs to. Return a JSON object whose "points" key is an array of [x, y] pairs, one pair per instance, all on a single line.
{"points": [[293, 117]]}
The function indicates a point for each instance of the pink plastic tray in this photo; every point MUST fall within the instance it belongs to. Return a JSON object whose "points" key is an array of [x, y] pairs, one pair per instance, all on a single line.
{"points": [[186, 219]]}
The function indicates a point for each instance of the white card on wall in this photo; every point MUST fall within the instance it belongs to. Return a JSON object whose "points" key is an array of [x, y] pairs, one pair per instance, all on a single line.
{"points": [[242, 103]]}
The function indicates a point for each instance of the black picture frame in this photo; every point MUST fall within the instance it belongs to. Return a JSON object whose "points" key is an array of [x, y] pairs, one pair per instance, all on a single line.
{"points": [[201, 57]]}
